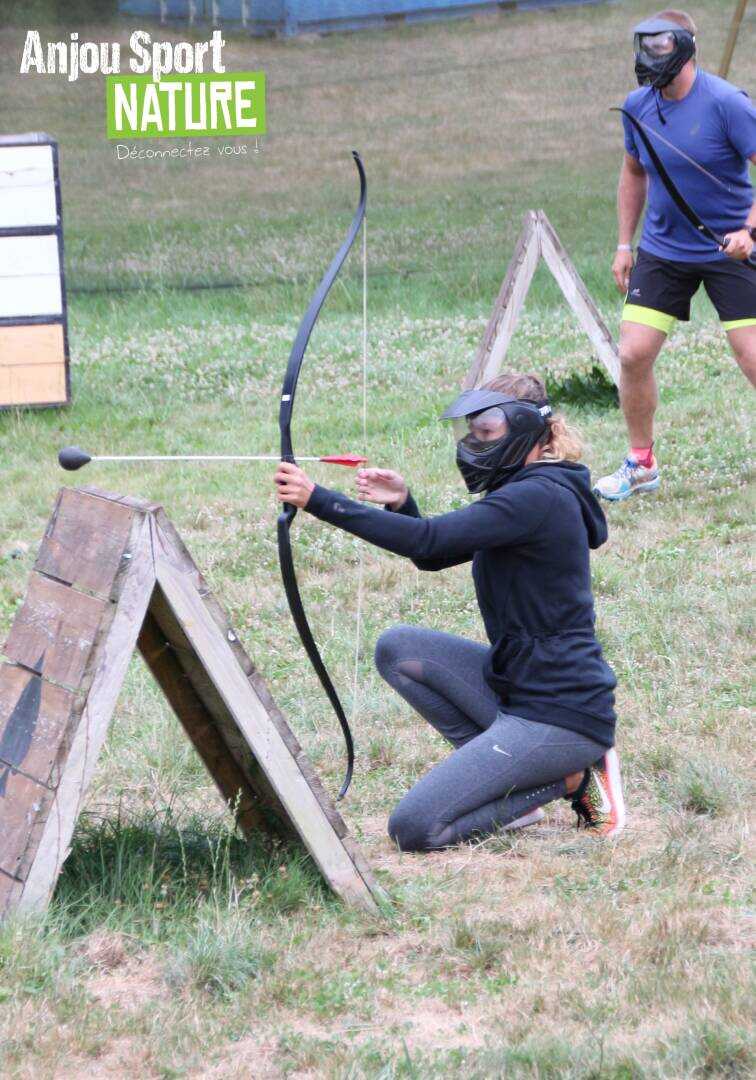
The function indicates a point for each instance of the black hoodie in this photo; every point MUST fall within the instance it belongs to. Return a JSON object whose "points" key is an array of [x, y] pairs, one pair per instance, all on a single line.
{"points": [[529, 544]]}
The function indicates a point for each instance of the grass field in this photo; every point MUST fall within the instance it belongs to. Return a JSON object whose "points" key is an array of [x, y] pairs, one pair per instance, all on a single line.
{"points": [[171, 950]]}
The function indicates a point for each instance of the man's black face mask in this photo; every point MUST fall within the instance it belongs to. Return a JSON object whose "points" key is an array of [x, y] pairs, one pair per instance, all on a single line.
{"points": [[488, 463], [662, 48]]}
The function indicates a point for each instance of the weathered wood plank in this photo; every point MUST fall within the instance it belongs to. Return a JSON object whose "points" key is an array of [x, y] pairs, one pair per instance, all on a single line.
{"points": [[33, 384], [203, 686], [264, 739], [86, 542], [199, 725], [30, 345], [27, 186], [506, 310], [364, 870], [10, 891], [146, 505], [578, 297], [24, 805], [55, 631], [36, 718], [110, 664], [170, 542]]}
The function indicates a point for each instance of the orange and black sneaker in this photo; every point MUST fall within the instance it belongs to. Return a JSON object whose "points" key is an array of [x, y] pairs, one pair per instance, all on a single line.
{"points": [[598, 802]]}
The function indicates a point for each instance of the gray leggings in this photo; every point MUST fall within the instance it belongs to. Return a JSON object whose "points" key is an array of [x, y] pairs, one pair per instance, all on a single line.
{"points": [[502, 766]]}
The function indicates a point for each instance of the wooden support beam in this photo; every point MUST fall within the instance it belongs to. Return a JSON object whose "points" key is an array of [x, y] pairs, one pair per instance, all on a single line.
{"points": [[732, 37], [578, 297], [300, 802], [501, 326]]}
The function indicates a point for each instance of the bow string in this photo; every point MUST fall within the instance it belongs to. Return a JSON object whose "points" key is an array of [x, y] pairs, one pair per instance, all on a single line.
{"points": [[285, 519]]}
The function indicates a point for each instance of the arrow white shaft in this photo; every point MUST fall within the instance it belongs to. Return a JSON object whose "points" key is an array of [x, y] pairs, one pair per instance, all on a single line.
{"points": [[195, 457]]}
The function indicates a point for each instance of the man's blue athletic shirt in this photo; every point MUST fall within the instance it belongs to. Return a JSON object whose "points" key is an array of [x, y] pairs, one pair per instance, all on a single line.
{"points": [[715, 124]]}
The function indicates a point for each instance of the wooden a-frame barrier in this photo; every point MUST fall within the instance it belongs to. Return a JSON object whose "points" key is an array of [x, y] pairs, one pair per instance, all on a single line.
{"points": [[112, 575], [538, 240]]}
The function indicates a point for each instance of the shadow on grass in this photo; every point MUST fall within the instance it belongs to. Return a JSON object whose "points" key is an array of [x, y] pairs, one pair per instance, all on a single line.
{"points": [[595, 389], [141, 875]]}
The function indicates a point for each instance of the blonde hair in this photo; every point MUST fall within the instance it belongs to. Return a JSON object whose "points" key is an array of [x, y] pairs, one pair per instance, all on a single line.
{"points": [[561, 442]]}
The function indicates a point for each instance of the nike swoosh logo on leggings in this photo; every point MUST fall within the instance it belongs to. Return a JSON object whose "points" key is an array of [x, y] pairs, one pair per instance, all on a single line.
{"points": [[499, 750]]}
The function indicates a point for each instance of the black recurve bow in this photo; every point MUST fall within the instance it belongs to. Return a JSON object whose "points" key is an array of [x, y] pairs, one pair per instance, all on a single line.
{"points": [[672, 188], [289, 512]]}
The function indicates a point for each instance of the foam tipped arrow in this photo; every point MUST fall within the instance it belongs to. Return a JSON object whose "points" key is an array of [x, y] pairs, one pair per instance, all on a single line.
{"points": [[73, 458]]}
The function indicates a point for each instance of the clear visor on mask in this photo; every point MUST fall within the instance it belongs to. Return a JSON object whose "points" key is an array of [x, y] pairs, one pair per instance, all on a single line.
{"points": [[657, 45], [488, 426]]}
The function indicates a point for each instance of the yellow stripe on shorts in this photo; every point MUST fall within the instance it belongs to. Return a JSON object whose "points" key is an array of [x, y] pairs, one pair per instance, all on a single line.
{"points": [[648, 317], [738, 322]]}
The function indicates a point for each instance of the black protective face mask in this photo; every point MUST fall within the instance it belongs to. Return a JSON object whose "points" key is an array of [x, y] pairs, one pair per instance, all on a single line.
{"points": [[656, 70], [486, 466]]}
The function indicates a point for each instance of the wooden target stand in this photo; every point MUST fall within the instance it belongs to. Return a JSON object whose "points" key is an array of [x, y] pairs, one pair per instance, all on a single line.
{"points": [[538, 239], [34, 362], [112, 575]]}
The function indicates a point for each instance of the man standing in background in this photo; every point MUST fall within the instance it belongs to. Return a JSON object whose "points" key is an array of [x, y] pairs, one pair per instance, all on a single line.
{"points": [[713, 124]]}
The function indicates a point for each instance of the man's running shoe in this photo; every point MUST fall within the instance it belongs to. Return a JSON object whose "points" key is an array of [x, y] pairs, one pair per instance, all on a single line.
{"points": [[598, 802], [629, 478]]}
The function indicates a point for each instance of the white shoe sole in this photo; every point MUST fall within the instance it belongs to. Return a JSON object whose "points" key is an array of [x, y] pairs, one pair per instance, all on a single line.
{"points": [[649, 485], [616, 797], [527, 819]]}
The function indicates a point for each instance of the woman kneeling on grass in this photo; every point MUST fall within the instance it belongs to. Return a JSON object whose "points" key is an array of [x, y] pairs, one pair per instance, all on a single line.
{"points": [[531, 718]]}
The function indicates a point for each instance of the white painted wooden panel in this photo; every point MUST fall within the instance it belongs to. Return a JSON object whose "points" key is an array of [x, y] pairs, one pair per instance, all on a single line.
{"points": [[17, 161], [28, 255], [27, 186], [29, 276], [31, 295]]}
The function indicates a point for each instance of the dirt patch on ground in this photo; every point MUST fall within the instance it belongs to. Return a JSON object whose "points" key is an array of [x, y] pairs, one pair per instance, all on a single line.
{"points": [[124, 1057], [122, 975], [432, 1025]]}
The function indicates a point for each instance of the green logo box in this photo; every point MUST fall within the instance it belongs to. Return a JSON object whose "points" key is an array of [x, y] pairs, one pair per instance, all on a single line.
{"points": [[185, 105]]}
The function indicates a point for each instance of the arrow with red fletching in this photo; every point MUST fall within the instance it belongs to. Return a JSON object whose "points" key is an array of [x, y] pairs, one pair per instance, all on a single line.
{"points": [[73, 457]]}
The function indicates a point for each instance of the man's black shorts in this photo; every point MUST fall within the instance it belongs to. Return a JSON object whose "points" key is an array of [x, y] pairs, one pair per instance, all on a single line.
{"points": [[660, 291]]}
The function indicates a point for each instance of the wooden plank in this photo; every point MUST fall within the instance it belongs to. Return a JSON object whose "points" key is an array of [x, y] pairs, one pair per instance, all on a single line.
{"points": [[199, 725], [24, 805], [506, 311], [146, 505], [28, 256], [10, 892], [33, 384], [732, 37], [578, 297], [86, 542], [228, 732], [169, 541], [27, 187], [25, 346], [111, 662], [23, 165], [363, 868], [30, 375], [38, 294], [35, 724], [55, 631], [263, 737]]}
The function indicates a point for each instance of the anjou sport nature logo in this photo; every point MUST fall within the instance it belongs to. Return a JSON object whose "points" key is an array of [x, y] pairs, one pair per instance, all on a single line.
{"points": [[169, 94]]}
